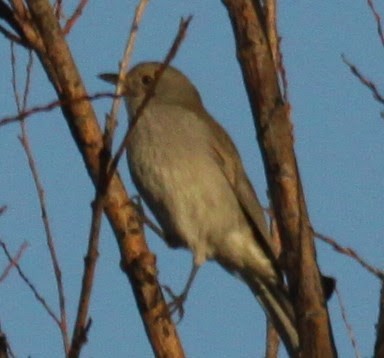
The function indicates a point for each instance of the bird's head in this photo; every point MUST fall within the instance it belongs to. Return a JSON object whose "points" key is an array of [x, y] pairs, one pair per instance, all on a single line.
{"points": [[172, 87]]}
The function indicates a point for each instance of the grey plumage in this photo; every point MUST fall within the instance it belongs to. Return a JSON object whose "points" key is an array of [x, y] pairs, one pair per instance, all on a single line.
{"points": [[190, 174]]}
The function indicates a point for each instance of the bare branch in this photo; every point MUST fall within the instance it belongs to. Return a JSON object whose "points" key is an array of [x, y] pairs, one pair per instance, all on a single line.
{"points": [[348, 326], [270, 9], [351, 253], [76, 14], [364, 80], [136, 259], [14, 261], [378, 20], [274, 130], [37, 295], [21, 105], [111, 121], [51, 106], [81, 329]]}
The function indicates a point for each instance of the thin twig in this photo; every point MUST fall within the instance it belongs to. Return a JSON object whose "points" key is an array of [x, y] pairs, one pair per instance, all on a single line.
{"points": [[364, 80], [111, 121], [50, 106], [30, 285], [348, 326], [171, 54], [76, 14], [15, 260], [351, 253], [40, 191], [378, 20], [81, 329]]}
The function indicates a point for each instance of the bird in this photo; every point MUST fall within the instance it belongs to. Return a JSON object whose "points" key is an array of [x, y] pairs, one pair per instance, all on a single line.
{"points": [[190, 174]]}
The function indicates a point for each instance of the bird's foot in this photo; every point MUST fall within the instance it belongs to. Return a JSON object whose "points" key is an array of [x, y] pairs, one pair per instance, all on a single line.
{"points": [[177, 303]]}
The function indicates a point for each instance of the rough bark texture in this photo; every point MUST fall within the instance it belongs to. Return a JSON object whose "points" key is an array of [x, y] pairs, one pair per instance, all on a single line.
{"points": [[274, 130], [136, 260]]}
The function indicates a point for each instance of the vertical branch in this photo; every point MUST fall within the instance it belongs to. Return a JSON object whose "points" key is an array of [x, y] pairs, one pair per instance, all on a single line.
{"points": [[81, 329], [274, 130], [111, 119], [21, 106], [270, 11]]}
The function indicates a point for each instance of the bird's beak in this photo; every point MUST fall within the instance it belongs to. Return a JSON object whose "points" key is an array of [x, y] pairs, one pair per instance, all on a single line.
{"points": [[110, 77]]}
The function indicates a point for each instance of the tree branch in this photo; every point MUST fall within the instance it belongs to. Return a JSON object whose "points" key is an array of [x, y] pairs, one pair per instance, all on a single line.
{"points": [[274, 130], [136, 259]]}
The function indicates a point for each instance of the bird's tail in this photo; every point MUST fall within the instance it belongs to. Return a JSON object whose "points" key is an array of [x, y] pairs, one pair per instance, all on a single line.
{"points": [[277, 306]]}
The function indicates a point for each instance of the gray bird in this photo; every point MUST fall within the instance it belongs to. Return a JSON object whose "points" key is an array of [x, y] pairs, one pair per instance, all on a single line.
{"points": [[189, 172]]}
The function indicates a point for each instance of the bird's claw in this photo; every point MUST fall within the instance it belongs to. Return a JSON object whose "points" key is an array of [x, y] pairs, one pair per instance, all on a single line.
{"points": [[176, 304]]}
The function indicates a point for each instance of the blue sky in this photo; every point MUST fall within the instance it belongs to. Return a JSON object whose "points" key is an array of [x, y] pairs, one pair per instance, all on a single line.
{"points": [[338, 137]]}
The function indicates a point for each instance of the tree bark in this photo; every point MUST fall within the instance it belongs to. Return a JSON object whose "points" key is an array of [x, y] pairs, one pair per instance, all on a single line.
{"points": [[274, 130], [136, 259]]}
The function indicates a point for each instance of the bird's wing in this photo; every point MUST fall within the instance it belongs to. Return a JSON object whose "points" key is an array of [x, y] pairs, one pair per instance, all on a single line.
{"points": [[228, 159]]}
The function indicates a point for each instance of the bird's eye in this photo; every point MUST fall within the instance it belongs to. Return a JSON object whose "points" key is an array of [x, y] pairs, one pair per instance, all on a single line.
{"points": [[146, 80]]}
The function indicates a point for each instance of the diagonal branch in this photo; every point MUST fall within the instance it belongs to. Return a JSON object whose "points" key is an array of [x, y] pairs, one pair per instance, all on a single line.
{"points": [[364, 80], [13, 262], [377, 17], [23, 276], [272, 121], [136, 259], [353, 254]]}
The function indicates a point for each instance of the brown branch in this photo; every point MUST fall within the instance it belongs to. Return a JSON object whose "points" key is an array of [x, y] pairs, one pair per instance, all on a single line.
{"points": [[136, 260], [80, 332], [40, 192], [273, 341], [37, 295], [111, 121], [274, 129], [351, 253], [13, 262], [75, 16], [270, 10], [348, 326], [51, 106], [377, 17], [364, 80]]}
